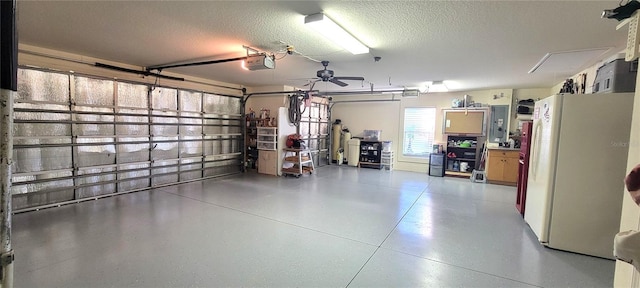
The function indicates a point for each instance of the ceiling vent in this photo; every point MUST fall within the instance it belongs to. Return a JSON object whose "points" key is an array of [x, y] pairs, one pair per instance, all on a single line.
{"points": [[567, 62]]}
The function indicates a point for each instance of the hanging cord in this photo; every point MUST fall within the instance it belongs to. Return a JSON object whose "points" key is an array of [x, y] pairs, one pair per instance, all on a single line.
{"points": [[295, 114], [157, 81]]}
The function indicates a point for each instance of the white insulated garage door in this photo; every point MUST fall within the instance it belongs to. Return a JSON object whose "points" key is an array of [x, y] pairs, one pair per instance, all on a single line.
{"points": [[79, 137]]}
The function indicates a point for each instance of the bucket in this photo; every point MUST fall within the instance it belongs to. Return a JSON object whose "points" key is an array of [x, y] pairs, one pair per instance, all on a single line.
{"points": [[464, 166]]}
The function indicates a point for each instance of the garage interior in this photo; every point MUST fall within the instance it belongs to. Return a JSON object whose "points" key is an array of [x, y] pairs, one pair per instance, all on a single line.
{"points": [[130, 130]]}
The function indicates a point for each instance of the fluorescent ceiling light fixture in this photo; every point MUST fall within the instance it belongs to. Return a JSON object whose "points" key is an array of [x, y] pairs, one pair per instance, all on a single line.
{"points": [[437, 86], [567, 62], [329, 29], [410, 93]]}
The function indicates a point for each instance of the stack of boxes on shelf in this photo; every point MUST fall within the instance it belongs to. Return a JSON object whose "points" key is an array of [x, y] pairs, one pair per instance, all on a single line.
{"points": [[386, 159], [267, 145], [267, 138]]}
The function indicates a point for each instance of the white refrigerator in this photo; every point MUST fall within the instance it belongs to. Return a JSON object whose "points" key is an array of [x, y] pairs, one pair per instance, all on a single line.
{"points": [[577, 165]]}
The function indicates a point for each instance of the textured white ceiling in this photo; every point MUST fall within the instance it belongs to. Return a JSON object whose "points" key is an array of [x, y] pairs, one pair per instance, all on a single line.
{"points": [[478, 44]]}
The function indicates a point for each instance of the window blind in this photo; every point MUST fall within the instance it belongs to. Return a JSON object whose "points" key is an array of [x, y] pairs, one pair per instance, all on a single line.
{"points": [[419, 131]]}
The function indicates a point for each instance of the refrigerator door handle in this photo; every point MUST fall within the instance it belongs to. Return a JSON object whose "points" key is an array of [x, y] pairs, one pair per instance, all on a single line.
{"points": [[537, 129]]}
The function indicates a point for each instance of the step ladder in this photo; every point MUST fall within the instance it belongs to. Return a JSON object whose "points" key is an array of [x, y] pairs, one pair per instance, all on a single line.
{"points": [[478, 175]]}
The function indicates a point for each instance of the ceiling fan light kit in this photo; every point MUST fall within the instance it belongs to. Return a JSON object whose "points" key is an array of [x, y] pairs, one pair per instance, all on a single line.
{"points": [[326, 75], [332, 31]]}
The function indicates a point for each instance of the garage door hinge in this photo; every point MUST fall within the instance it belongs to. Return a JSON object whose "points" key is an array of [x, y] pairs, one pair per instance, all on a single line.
{"points": [[5, 259]]}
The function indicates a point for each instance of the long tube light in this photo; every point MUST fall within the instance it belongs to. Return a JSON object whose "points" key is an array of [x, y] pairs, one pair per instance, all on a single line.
{"points": [[329, 29]]}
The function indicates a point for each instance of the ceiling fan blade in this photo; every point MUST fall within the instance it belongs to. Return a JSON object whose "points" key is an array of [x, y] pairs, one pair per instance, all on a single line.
{"points": [[338, 82], [349, 78]]}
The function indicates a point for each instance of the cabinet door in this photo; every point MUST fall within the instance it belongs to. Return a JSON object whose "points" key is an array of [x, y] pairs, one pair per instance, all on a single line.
{"points": [[510, 172], [267, 162], [495, 168]]}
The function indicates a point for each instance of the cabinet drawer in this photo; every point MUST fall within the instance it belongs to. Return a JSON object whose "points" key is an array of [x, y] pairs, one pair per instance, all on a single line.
{"points": [[511, 154], [504, 154], [267, 138], [266, 145], [267, 130], [268, 162]]}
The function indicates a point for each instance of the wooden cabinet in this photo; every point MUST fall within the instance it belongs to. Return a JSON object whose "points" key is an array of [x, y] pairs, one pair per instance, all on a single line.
{"points": [[268, 162], [502, 166]]}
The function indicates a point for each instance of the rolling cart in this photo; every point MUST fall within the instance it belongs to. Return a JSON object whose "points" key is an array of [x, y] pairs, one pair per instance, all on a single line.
{"points": [[301, 159]]}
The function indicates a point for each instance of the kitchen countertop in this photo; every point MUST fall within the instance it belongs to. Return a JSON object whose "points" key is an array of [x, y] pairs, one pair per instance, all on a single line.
{"points": [[504, 148]]}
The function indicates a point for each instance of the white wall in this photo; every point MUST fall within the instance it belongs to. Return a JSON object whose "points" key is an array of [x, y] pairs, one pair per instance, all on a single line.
{"points": [[387, 116], [524, 94]]}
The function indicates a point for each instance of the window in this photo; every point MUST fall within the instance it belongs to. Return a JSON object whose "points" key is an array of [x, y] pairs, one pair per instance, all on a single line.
{"points": [[419, 131]]}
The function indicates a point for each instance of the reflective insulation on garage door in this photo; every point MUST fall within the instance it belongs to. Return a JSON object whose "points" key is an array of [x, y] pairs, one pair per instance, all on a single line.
{"points": [[314, 129], [78, 137]]}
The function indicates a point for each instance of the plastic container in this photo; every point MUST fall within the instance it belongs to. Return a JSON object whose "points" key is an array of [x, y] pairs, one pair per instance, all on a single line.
{"points": [[386, 146], [464, 166], [267, 130], [372, 135]]}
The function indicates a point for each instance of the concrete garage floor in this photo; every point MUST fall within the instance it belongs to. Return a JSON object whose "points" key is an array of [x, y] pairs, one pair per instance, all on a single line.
{"points": [[341, 227]]}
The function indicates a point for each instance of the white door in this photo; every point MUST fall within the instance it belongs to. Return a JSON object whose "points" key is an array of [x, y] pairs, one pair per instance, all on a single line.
{"points": [[544, 142]]}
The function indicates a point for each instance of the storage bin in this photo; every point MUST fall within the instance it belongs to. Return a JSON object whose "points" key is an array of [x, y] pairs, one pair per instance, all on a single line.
{"points": [[436, 164], [267, 138], [266, 145], [372, 135], [267, 130], [386, 154], [616, 76], [436, 171], [386, 146]]}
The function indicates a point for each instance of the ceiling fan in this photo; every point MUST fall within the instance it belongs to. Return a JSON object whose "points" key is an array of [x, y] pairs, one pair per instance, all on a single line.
{"points": [[326, 75]]}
